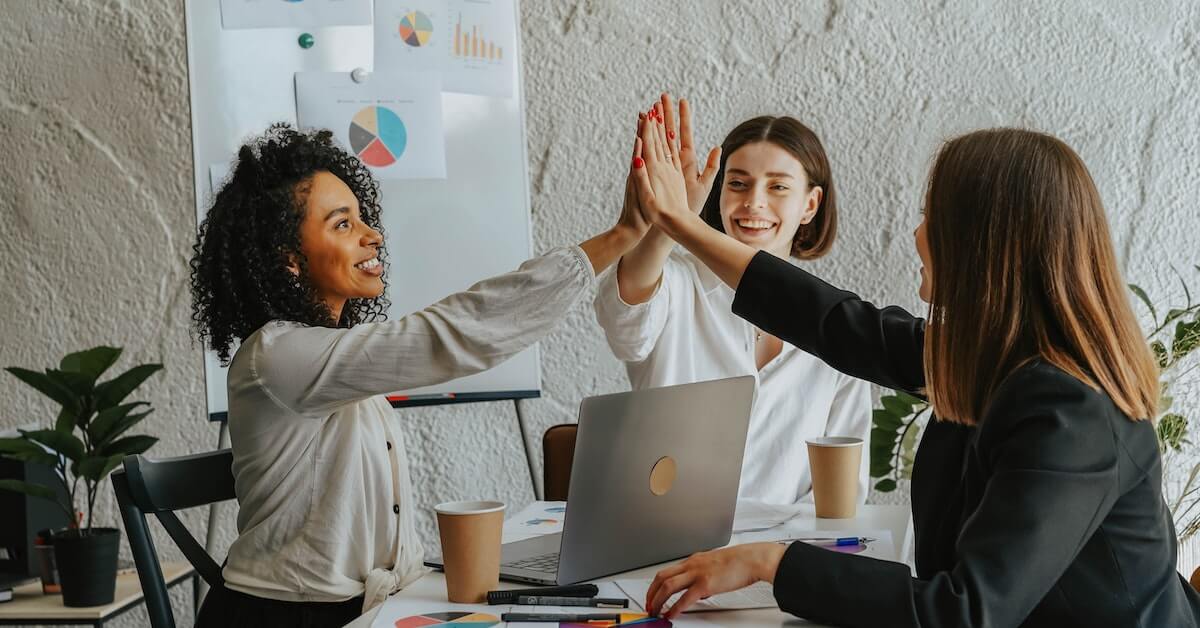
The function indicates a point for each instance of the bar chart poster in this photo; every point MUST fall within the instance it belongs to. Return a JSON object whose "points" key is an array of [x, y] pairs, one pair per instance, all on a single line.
{"points": [[410, 34], [482, 37]]}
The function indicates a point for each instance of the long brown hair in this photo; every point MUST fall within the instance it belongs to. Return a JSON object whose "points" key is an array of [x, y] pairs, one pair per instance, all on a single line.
{"points": [[1022, 268], [814, 239]]}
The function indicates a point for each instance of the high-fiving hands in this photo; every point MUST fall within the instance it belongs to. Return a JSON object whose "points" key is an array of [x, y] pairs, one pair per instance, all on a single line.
{"points": [[666, 165]]}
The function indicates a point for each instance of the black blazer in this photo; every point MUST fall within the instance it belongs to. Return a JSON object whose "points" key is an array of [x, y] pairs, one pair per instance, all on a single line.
{"points": [[1048, 513]]}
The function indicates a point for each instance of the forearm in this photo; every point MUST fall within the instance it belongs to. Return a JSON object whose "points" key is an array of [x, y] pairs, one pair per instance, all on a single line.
{"points": [[604, 249], [640, 270], [725, 256]]}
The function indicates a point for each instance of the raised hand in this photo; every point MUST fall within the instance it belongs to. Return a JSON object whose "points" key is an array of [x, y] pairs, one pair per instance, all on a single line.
{"points": [[662, 191], [699, 182], [631, 219]]}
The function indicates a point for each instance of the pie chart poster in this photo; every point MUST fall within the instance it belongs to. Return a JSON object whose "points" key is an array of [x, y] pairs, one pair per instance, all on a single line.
{"points": [[392, 121]]}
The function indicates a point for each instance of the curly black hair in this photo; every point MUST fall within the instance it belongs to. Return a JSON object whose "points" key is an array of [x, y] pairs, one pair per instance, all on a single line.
{"points": [[239, 268]]}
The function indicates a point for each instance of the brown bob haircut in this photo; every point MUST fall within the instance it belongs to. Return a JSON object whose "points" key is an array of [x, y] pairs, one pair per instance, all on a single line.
{"points": [[815, 238], [1023, 269]]}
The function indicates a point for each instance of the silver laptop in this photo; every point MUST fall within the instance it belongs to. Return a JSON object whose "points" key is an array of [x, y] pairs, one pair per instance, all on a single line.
{"points": [[655, 477]]}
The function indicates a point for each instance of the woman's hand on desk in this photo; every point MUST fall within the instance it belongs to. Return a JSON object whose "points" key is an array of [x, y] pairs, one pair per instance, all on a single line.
{"points": [[710, 573]]}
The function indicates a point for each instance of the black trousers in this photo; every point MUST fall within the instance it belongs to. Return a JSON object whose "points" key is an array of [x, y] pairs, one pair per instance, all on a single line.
{"points": [[225, 608]]}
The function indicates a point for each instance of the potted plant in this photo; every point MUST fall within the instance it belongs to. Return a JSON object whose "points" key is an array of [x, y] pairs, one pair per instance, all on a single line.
{"points": [[87, 442], [897, 424]]}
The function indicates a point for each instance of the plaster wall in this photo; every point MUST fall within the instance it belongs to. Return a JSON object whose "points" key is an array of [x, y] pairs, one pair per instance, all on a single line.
{"points": [[96, 218]]}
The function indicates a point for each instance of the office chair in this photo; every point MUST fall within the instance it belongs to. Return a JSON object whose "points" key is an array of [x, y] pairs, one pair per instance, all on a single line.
{"points": [[558, 454], [162, 487]]}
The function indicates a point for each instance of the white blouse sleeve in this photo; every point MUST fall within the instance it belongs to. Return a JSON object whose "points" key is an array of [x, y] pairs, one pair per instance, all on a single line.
{"points": [[632, 331], [313, 370]]}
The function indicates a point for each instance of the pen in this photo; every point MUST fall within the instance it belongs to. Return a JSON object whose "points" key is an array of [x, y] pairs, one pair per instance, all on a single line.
{"points": [[560, 617], [510, 596], [824, 541], [555, 600]]}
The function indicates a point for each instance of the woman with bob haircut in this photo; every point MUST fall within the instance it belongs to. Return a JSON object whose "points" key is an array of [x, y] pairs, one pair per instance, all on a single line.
{"points": [[668, 318], [1036, 493], [288, 289]]}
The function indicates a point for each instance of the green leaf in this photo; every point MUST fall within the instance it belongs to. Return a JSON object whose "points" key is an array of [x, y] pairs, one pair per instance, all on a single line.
{"points": [[1141, 294], [114, 421], [115, 391], [26, 451], [885, 486], [896, 406], [65, 421], [1172, 430], [80, 385], [1173, 314], [90, 363], [910, 399], [1187, 338], [881, 469], [128, 446], [64, 443], [1160, 353], [47, 386], [98, 467], [908, 451], [34, 490], [885, 420]]}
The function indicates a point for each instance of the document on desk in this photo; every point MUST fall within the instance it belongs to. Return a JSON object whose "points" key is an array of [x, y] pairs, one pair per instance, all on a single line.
{"points": [[753, 516], [760, 595], [878, 543], [535, 519]]}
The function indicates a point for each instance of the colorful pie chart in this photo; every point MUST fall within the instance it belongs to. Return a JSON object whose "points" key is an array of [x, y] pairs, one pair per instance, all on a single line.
{"points": [[378, 136], [415, 29], [457, 619]]}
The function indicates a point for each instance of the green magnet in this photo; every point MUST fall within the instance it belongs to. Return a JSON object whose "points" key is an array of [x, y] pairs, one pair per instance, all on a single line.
{"points": [[306, 41]]}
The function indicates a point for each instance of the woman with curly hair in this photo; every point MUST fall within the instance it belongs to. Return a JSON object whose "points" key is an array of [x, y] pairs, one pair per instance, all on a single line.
{"points": [[288, 288]]}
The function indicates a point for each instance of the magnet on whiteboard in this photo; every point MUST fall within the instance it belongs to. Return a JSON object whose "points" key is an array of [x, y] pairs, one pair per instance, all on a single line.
{"points": [[359, 75]]}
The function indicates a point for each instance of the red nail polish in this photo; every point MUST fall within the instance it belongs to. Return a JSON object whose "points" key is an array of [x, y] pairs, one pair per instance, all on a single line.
{"points": [[670, 135], [638, 163]]}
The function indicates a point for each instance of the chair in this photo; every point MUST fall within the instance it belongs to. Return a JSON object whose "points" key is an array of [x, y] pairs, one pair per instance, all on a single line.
{"points": [[558, 453], [162, 487]]}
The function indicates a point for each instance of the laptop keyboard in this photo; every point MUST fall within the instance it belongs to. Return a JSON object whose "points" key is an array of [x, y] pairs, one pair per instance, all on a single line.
{"points": [[546, 563]]}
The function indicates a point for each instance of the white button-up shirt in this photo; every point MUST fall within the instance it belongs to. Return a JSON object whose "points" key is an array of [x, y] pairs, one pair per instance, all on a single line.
{"points": [[686, 332], [322, 480]]}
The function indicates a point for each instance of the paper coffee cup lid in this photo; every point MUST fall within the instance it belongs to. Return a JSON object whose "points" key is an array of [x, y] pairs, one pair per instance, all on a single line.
{"points": [[468, 507], [835, 441]]}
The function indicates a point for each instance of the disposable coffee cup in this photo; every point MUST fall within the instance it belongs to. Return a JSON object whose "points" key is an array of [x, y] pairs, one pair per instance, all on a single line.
{"points": [[834, 462], [470, 533]]}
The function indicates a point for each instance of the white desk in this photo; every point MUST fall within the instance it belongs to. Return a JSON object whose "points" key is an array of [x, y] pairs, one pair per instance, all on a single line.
{"points": [[894, 518]]}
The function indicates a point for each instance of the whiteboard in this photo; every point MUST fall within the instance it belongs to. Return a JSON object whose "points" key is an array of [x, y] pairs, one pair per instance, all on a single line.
{"points": [[442, 234]]}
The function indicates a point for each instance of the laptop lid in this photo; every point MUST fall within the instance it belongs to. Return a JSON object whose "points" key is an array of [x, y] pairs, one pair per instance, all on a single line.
{"points": [[655, 476]]}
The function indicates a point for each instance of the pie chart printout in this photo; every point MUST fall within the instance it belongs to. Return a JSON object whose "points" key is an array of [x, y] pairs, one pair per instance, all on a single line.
{"points": [[455, 619], [415, 29], [378, 136]]}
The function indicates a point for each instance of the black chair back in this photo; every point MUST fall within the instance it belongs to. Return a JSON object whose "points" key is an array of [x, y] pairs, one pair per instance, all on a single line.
{"points": [[161, 487]]}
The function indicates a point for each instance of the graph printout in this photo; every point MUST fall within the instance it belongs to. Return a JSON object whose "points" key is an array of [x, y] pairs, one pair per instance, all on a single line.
{"points": [[392, 121], [411, 34], [482, 37], [294, 13]]}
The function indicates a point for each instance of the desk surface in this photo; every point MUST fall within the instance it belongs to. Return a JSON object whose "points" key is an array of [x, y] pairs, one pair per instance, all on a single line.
{"points": [[29, 603], [871, 517]]}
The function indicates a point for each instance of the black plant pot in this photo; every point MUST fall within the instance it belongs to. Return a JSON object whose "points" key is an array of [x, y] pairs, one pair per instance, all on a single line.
{"points": [[87, 566]]}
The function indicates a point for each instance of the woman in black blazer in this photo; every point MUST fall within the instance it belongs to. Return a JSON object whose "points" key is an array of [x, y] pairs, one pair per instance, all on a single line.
{"points": [[1037, 492]]}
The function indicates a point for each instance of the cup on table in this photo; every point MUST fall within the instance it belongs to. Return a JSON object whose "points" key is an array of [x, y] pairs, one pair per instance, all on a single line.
{"points": [[834, 462], [470, 533]]}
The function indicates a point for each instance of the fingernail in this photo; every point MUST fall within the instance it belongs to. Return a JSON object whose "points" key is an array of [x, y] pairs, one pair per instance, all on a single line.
{"points": [[670, 135], [638, 162]]}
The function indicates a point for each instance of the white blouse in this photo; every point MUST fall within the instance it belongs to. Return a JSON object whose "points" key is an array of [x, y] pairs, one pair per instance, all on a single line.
{"points": [[687, 332], [322, 480]]}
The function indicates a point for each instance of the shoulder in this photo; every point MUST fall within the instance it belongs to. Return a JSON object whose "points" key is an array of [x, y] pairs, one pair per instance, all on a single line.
{"points": [[1042, 413]]}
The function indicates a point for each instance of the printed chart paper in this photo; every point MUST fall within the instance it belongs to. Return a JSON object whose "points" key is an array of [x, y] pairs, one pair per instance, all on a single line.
{"points": [[481, 40], [758, 595], [411, 34], [392, 121], [237, 14], [535, 519]]}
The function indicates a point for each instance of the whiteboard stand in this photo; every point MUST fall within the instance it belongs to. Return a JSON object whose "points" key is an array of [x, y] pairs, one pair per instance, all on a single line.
{"points": [[533, 478]]}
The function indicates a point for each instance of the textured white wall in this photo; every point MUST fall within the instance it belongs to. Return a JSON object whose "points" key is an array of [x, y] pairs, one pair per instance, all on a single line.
{"points": [[96, 216]]}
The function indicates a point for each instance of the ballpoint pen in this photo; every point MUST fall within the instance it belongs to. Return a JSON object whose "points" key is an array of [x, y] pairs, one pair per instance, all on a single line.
{"points": [[829, 541]]}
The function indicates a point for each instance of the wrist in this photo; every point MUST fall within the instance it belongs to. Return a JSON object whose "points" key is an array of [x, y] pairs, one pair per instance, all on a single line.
{"points": [[624, 237], [768, 561], [676, 224]]}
